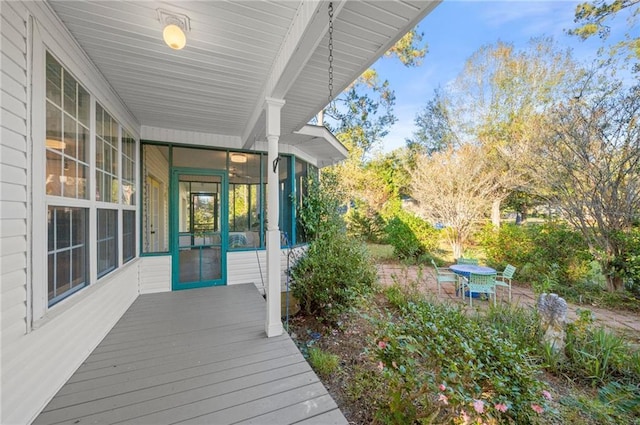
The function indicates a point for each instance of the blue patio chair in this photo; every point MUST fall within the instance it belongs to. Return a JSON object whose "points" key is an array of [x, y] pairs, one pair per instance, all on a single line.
{"points": [[444, 276], [480, 284], [504, 278], [463, 260]]}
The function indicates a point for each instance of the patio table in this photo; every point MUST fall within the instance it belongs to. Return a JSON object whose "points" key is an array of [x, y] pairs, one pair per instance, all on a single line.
{"points": [[465, 271]]}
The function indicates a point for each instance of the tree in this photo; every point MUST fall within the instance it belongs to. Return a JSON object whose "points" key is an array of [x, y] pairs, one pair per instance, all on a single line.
{"points": [[591, 166], [592, 17], [455, 188], [434, 131], [362, 115], [499, 100]]}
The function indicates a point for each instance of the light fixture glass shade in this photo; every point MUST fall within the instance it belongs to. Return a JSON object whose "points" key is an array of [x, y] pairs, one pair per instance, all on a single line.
{"points": [[238, 158], [174, 36]]}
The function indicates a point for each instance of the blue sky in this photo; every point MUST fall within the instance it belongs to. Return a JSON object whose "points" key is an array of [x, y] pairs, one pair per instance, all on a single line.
{"points": [[456, 29]]}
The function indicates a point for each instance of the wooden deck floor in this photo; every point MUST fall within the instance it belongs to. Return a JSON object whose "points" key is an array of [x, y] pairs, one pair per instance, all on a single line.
{"points": [[200, 357]]}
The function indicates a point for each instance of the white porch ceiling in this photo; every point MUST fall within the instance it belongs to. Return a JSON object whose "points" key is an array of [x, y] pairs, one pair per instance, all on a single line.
{"points": [[237, 53]]}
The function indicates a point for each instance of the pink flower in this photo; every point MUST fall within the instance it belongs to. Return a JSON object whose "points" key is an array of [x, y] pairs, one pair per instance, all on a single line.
{"points": [[394, 364], [465, 417], [537, 408], [442, 387], [443, 398], [478, 405], [382, 344], [546, 394], [380, 366], [501, 407]]}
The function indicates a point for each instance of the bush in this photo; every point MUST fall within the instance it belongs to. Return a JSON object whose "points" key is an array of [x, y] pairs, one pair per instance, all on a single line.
{"points": [[551, 256], [444, 366], [365, 223], [335, 268], [333, 272], [411, 236]]}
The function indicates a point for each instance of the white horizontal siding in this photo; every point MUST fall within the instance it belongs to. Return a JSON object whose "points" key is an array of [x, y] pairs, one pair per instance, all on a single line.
{"points": [[37, 364], [13, 177], [246, 266], [243, 266], [154, 274]]}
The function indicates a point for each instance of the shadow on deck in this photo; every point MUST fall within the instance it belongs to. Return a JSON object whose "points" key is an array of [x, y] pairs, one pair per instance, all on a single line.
{"points": [[198, 356]]}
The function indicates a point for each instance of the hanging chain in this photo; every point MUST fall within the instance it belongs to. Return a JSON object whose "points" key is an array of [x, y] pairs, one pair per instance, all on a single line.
{"points": [[330, 52]]}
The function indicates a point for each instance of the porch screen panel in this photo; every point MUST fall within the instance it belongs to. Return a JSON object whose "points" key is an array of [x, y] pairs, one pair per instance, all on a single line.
{"points": [[155, 198], [245, 200], [286, 201]]}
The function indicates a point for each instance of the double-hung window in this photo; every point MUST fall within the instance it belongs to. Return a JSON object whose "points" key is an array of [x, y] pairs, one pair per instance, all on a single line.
{"points": [[74, 203], [67, 166]]}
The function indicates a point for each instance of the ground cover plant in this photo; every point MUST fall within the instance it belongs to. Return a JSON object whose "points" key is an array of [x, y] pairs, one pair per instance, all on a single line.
{"points": [[403, 358]]}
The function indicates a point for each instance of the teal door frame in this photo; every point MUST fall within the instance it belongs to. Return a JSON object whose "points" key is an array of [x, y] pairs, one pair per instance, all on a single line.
{"points": [[174, 224]]}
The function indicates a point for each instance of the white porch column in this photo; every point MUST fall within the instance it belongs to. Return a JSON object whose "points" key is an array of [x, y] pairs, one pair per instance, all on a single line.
{"points": [[273, 325]]}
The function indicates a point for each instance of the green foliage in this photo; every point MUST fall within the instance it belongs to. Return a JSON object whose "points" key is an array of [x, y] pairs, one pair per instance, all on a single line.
{"points": [[322, 362], [550, 256], [320, 209], [440, 363], [336, 268], [598, 355], [411, 236], [363, 222]]}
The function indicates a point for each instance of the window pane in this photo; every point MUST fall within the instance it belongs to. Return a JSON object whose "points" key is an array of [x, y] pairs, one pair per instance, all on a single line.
{"points": [[106, 158], [54, 174], [128, 235], [54, 80], [84, 106], [155, 197], [107, 246], [245, 206], [70, 87], [67, 251], [69, 137], [286, 202], [128, 170], [199, 158], [54, 128]]}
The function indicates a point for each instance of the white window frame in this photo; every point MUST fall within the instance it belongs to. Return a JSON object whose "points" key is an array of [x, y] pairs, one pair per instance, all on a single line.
{"points": [[80, 68]]}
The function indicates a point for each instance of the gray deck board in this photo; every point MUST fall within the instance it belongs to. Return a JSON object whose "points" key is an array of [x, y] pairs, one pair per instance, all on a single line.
{"points": [[199, 356]]}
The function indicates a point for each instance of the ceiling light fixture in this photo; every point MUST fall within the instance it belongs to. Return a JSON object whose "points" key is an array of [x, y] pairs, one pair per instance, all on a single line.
{"points": [[175, 28], [238, 158]]}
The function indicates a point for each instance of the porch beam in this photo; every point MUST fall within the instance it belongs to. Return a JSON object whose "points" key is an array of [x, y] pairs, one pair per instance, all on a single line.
{"points": [[306, 32], [273, 325]]}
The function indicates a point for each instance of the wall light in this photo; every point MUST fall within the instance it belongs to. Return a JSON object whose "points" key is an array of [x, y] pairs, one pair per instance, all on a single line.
{"points": [[175, 26], [238, 158]]}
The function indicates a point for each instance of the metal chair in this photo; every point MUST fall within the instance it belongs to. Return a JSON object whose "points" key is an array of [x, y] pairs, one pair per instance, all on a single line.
{"points": [[480, 284], [445, 276], [504, 277], [463, 260]]}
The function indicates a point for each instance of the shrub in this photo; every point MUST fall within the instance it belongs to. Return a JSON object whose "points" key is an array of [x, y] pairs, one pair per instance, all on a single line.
{"points": [[411, 236], [365, 223], [332, 273], [551, 256], [440, 363], [335, 268]]}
